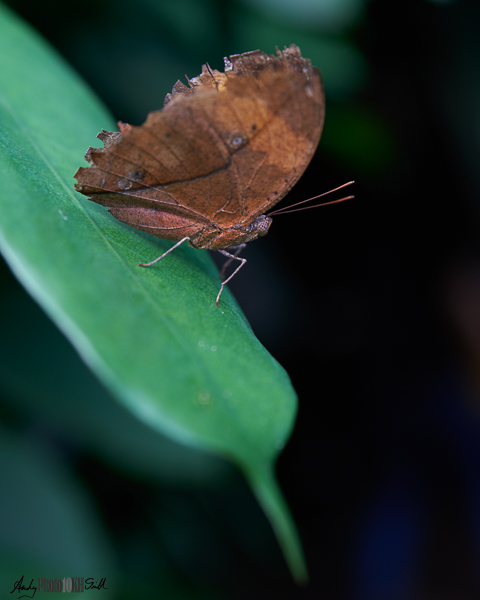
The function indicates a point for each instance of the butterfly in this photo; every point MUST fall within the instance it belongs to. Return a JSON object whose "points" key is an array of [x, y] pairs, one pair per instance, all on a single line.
{"points": [[207, 167]]}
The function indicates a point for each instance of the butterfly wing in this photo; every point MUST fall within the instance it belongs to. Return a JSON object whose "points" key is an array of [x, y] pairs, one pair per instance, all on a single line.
{"points": [[269, 115], [218, 154]]}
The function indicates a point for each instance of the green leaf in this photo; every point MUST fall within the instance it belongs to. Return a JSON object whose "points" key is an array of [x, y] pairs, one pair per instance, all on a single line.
{"points": [[154, 336], [55, 373]]}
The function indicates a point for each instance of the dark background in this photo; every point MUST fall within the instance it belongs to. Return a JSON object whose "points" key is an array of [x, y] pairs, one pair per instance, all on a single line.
{"points": [[372, 306]]}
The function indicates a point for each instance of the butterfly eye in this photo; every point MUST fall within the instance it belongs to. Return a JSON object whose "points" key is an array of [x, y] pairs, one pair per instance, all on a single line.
{"points": [[264, 226]]}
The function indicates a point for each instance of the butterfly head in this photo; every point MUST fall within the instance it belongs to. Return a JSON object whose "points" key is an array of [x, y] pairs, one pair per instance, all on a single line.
{"points": [[261, 225]]}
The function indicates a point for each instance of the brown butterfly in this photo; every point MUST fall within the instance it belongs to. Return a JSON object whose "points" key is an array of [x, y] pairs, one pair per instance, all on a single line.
{"points": [[221, 152]]}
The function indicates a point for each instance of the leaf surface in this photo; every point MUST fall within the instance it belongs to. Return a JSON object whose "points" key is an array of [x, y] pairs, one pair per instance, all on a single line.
{"points": [[153, 336]]}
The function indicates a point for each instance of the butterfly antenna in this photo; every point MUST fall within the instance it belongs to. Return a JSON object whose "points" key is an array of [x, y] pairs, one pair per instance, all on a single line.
{"points": [[286, 209], [315, 206]]}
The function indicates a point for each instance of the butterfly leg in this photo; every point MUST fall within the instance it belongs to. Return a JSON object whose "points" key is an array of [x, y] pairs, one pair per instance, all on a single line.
{"points": [[231, 257], [237, 249], [164, 254]]}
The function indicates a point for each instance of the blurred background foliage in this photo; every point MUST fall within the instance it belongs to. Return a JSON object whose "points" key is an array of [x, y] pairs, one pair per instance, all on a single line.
{"points": [[372, 306]]}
